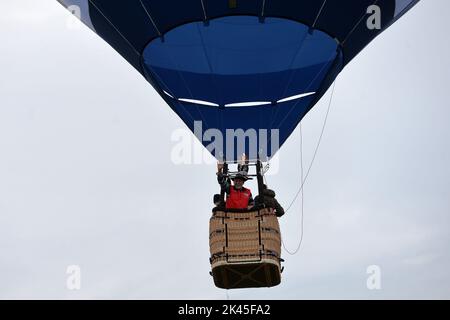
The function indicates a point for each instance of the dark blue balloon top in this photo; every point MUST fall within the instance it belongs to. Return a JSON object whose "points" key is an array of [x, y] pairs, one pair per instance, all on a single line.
{"points": [[255, 65]]}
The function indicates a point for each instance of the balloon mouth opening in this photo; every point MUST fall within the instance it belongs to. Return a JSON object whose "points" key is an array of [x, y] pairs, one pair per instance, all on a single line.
{"points": [[240, 104], [239, 61]]}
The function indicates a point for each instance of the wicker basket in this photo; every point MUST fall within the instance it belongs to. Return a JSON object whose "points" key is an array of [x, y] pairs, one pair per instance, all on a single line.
{"points": [[245, 248]]}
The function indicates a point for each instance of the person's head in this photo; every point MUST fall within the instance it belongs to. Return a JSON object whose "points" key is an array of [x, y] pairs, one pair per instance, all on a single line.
{"points": [[238, 182]]}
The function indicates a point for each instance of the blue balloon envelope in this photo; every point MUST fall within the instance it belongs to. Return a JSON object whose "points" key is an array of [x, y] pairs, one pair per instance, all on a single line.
{"points": [[246, 71]]}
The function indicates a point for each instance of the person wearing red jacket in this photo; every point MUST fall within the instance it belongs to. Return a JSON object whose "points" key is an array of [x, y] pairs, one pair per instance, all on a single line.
{"points": [[238, 197]]}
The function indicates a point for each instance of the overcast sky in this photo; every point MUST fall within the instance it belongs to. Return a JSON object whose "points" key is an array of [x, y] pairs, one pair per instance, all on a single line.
{"points": [[86, 176]]}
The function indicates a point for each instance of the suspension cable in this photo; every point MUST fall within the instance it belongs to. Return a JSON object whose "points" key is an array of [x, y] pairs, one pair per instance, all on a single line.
{"points": [[303, 179], [315, 151], [302, 200]]}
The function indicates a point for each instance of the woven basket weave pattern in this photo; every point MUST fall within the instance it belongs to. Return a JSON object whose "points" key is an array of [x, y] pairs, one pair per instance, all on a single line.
{"points": [[241, 237]]}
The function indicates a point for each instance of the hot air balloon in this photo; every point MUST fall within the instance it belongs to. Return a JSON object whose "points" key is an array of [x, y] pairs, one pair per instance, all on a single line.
{"points": [[253, 66]]}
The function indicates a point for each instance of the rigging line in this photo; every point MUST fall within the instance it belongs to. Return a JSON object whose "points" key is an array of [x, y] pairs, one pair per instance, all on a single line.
{"points": [[222, 153], [302, 199], [220, 111], [329, 63], [260, 93], [298, 101], [320, 12], [292, 71], [263, 8], [150, 17], [213, 81], [356, 25], [315, 151], [291, 74], [155, 74], [175, 62], [115, 28], [204, 11]]}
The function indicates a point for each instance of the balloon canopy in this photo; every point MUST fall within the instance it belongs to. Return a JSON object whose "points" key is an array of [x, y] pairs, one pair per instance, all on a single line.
{"points": [[249, 66]]}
